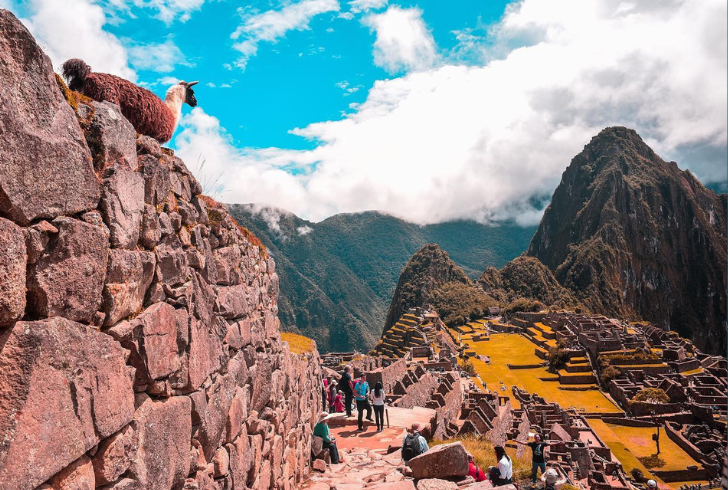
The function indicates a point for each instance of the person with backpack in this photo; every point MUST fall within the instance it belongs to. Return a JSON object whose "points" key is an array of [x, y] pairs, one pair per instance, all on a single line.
{"points": [[378, 405], [345, 385], [538, 459], [413, 444], [474, 470], [361, 391]]}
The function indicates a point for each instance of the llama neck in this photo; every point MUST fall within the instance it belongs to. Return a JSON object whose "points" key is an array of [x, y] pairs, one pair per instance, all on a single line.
{"points": [[174, 101]]}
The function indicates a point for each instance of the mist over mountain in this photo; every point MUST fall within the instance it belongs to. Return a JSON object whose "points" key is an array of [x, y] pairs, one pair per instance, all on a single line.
{"points": [[337, 276]]}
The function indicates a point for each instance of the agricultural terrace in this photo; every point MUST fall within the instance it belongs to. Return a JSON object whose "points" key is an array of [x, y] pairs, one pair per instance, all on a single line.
{"points": [[628, 444], [515, 349]]}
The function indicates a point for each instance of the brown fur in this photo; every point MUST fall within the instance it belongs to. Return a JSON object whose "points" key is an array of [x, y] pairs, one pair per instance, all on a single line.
{"points": [[148, 113]]}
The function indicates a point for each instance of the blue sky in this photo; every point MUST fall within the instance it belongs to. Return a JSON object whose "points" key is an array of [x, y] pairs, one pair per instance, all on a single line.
{"points": [[427, 110]]}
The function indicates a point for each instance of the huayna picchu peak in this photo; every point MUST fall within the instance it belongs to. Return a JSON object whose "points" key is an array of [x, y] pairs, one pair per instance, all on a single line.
{"points": [[632, 235]]}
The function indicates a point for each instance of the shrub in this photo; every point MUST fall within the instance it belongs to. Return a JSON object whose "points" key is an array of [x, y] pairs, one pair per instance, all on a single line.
{"points": [[653, 396], [609, 373], [637, 475], [469, 367], [558, 357], [523, 304]]}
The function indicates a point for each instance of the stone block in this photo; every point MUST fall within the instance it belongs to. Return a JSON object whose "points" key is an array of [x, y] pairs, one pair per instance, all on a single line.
{"points": [[79, 475], [128, 276], [12, 272], [122, 205], [68, 277], [444, 461], [57, 373], [111, 137]]}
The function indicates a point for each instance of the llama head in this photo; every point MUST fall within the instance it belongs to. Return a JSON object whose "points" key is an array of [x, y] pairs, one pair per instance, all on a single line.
{"points": [[189, 93]]}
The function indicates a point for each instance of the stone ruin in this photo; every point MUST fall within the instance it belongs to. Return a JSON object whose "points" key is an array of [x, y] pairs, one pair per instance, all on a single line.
{"points": [[139, 339]]}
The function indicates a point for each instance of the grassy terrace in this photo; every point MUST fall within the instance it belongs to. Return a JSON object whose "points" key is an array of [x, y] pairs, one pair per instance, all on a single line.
{"points": [[515, 349], [297, 343], [630, 443]]}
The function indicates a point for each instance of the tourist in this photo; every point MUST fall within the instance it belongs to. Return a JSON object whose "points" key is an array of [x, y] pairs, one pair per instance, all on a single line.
{"points": [[331, 396], [377, 397], [414, 443], [361, 390], [551, 480], [346, 386], [474, 470], [321, 429], [324, 390], [651, 484], [538, 459], [339, 402], [503, 473]]}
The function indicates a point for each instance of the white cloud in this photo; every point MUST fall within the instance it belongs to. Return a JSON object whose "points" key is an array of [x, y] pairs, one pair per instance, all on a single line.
{"points": [[403, 41], [167, 10], [479, 141], [357, 6], [304, 230], [75, 29], [272, 25], [161, 58]]}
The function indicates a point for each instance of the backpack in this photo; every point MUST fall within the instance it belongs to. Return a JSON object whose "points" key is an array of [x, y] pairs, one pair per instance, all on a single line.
{"points": [[411, 447]]}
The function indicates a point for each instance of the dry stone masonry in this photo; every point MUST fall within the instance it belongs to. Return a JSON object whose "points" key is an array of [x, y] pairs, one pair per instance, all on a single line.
{"points": [[139, 339]]}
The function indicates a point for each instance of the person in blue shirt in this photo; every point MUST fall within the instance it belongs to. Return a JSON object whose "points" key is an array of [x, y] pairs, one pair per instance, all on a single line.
{"points": [[321, 429], [361, 392]]}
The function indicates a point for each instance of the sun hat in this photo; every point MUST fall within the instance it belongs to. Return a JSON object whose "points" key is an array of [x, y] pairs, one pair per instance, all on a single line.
{"points": [[550, 476], [652, 483], [324, 416]]}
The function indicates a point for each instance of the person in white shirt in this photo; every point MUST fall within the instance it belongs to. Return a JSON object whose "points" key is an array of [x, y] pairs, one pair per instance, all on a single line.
{"points": [[505, 467], [377, 396]]}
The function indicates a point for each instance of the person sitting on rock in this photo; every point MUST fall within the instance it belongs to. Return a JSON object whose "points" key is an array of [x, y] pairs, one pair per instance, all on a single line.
{"points": [[321, 429], [361, 390], [413, 444], [503, 473], [474, 470]]}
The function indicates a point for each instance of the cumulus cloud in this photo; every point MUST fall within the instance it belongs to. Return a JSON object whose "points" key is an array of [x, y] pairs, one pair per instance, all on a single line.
{"points": [[163, 57], [357, 6], [304, 230], [480, 141], [75, 29], [403, 41], [272, 25]]}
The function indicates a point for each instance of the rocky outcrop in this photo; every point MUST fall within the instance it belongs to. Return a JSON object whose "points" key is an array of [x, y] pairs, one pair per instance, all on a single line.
{"points": [[139, 339], [427, 270], [634, 236], [527, 278]]}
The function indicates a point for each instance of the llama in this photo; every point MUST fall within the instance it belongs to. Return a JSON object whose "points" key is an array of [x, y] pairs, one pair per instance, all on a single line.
{"points": [[148, 113]]}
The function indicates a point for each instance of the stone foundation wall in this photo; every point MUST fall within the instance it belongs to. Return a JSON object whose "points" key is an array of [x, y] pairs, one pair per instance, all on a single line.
{"points": [[139, 339]]}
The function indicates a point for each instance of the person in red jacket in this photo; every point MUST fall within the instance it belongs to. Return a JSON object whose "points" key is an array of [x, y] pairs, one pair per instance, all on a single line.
{"points": [[474, 470]]}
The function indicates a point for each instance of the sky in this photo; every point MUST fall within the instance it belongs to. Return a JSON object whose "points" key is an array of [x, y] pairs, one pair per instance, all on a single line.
{"points": [[428, 110]]}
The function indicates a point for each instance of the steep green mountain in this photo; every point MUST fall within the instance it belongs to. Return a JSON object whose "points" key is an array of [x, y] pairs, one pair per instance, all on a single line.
{"points": [[634, 236], [337, 276]]}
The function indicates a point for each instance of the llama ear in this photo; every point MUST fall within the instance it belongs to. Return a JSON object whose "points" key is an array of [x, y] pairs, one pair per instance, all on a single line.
{"points": [[192, 83]]}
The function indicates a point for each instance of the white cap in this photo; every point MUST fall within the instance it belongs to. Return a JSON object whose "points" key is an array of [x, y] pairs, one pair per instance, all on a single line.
{"points": [[550, 476], [651, 483]]}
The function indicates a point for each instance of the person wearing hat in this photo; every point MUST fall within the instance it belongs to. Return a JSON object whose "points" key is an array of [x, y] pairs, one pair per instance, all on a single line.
{"points": [[321, 429], [651, 484], [551, 479], [413, 443]]}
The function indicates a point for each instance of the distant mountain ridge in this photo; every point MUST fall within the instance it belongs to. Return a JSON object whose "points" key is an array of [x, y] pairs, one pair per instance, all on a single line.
{"points": [[337, 276]]}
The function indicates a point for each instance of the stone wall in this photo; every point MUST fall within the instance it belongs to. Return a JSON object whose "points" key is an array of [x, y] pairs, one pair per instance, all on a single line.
{"points": [[139, 339]]}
